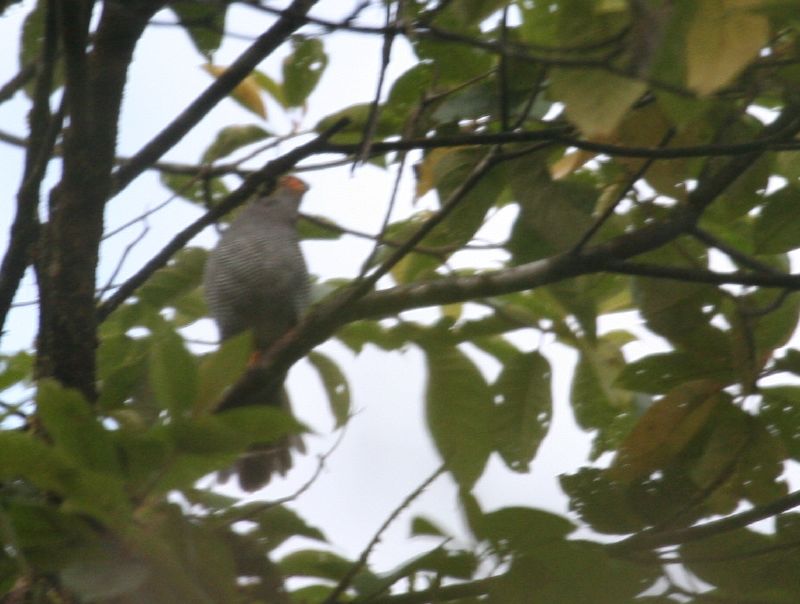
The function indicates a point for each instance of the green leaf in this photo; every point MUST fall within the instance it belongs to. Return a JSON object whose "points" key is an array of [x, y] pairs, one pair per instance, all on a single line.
{"points": [[722, 40], [22, 456], [261, 423], [602, 502], [232, 138], [203, 21], [277, 523], [302, 69], [172, 371], [336, 386], [745, 565], [270, 86], [780, 410], [203, 192], [222, 368], [69, 421], [658, 373], [459, 413], [776, 228], [595, 100], [32, 46], [666, 428], [424, 527], [15, 368], [232, 431], [314, 227], [121, 368], [597, 402], [523, 416], [569, 572], [522, 529], [183, 274]]}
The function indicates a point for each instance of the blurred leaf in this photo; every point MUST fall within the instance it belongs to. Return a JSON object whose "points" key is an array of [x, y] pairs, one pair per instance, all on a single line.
{"points": [[203, 21], [596, 101], [521, 529], [602, 502], [569, 572], [15, 368], [776, 229], [780, 410], [121, 368], [666, 428], [682, 313], [202, 191], [553, 214], [723, 38], [302, 69], [597, 401], [523, 416], [172, 371], [221, 368], [247, 92], [69, 421], [232, 138], [183, 274], [745, 565], [336, 386], [270, 86], [421, 526], [658, 373], [313, 227], [32, 45], [459, 413], [326, 565], [357, 116]]}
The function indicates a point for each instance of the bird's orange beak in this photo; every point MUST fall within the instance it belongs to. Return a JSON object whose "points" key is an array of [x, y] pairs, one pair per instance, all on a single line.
{"points": [[293, 184]]}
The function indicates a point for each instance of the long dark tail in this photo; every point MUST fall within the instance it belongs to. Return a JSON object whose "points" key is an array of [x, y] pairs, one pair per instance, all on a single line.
{"points": [[256, 467]]}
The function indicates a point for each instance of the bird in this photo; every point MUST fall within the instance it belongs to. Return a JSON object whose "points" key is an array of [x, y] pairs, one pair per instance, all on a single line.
{"points": [[256, 280]]}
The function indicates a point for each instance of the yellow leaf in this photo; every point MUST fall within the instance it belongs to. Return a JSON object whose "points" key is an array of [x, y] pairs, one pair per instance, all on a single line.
{"points": [[247, 93], [427, 171], [723, 39], [595, 100], [665, 429], [569, 163]]}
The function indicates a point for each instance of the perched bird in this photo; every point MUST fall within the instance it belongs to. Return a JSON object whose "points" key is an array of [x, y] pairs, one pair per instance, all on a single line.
{"points": [[256, 279]]}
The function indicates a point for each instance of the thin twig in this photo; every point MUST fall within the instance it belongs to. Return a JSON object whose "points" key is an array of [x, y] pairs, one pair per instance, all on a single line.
{"points": [[371, 124], [611, 208], [735, 254], [123, 257], [264, 45], [651, 540], [346, 580], [255, 510]]}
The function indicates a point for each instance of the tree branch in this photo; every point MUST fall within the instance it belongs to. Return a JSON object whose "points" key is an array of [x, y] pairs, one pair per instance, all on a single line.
{"points": [[44, 128], [650, 540], [642, 269], [561, 135], [291, 19]]}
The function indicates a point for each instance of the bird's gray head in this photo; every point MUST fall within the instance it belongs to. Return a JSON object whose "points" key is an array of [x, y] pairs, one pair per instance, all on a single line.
{"points": [[285, 199]]}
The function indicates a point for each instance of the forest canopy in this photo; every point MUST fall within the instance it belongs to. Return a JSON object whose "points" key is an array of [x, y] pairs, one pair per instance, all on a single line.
{"points": [[647, 154]]}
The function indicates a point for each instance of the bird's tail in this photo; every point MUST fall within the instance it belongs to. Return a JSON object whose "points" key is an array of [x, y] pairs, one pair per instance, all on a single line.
{"points": [[256, 467]]}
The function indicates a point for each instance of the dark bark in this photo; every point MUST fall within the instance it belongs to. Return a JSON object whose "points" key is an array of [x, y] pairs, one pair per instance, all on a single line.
{"points": [[70, 241]]}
